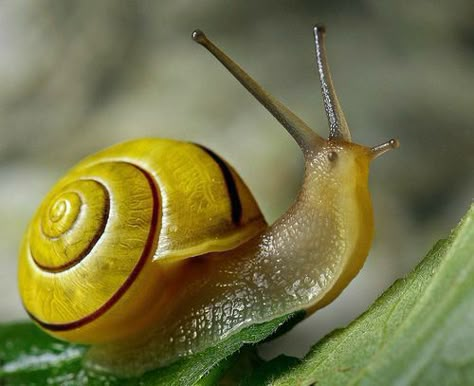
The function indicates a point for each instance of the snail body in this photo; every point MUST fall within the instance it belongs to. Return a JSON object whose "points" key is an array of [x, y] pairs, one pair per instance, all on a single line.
{"points": [[155, 249]]}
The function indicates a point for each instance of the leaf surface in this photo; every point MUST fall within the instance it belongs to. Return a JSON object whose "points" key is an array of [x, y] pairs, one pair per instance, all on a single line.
{"points": [[419, 332], [31, 357]]}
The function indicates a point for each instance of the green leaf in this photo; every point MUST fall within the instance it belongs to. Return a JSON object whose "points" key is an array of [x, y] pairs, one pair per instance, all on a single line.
{"points": [[30, 357], [419, 332]]}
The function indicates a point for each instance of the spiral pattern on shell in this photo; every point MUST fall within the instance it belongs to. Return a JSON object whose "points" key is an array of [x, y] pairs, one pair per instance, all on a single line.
{"points": [[88, 242]]}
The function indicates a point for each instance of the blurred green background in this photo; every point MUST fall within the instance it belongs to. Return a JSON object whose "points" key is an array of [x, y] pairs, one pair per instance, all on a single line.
{"points": [[79, 76]]}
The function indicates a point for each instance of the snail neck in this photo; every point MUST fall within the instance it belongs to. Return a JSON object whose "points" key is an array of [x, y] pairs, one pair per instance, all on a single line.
{"points": [[327, 232]]}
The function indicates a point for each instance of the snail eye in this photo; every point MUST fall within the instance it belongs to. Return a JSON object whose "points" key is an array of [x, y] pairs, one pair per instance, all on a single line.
{"points": [[332, 156]]}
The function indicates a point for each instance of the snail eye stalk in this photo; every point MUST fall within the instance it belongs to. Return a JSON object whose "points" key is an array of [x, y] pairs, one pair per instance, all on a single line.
{"points": [[338, 128], [306, 138]]}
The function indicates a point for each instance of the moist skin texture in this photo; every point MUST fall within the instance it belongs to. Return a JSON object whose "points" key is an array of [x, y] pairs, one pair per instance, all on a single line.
{"points": [[303, 261]]}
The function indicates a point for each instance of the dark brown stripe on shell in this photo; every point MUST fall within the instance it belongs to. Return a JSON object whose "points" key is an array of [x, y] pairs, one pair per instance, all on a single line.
{"points": [[236, 205]]}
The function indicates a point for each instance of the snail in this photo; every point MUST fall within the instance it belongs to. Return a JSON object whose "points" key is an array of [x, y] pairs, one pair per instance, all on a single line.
{"points": [[155, 249]]}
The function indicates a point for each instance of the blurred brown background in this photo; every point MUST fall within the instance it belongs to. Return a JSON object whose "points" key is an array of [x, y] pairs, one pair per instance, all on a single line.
{"points": [[80, 76]]}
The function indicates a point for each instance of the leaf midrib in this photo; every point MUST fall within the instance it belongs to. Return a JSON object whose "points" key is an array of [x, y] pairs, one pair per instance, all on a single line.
{"points": [[446, 302]]}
